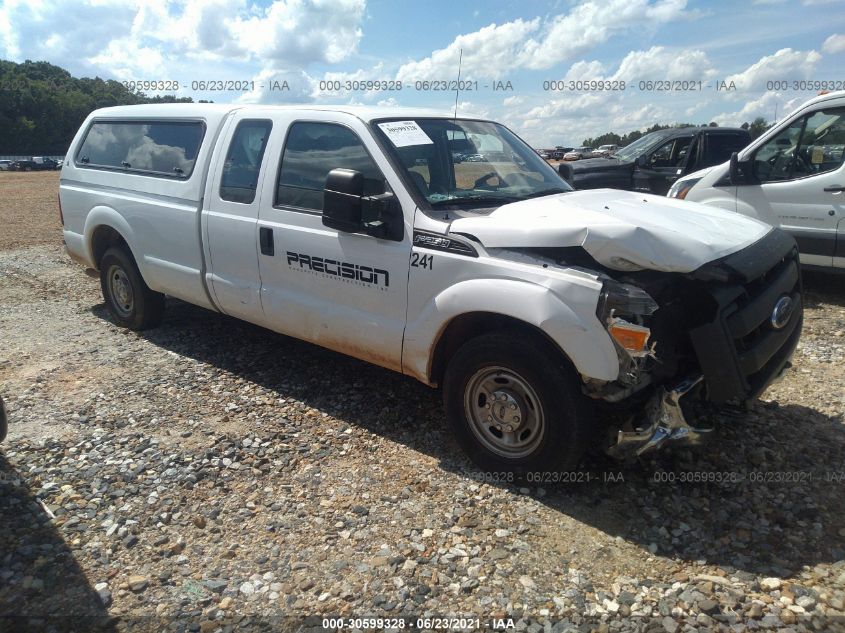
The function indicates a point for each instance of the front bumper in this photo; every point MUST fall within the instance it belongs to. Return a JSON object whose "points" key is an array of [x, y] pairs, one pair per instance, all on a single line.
{"points": [[665, 421]]}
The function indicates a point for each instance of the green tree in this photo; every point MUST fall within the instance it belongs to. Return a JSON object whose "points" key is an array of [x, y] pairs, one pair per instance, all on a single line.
{"points": [[42, 105]]}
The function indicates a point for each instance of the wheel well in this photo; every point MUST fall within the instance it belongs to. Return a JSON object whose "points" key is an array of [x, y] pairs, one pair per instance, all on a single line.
{"points": [[467, 326], [104, 238]]}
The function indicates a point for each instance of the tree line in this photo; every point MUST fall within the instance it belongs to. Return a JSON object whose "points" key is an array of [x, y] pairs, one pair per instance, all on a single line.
{"points": [[42, 106], [755, 129]]}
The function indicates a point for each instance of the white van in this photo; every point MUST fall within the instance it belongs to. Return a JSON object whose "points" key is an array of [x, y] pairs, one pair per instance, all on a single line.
{"points": [[548, 316], [792, 177]]}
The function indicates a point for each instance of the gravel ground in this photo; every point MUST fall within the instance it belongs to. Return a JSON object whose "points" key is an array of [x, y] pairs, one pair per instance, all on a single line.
{"points": [[210, 475]]}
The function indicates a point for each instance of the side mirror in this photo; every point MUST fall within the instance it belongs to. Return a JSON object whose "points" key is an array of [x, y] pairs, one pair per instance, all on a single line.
{"points": [[639, 161], [567, 173], [739, 171], [347, 209], [342, 197]]}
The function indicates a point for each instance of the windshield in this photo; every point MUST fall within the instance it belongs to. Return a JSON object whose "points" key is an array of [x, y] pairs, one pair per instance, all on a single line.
{"points": [[641, 145], [458, 163]]}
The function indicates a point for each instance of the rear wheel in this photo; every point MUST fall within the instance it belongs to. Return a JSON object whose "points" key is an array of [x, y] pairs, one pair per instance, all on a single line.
{"points": [[128, 298], [515, 406]]}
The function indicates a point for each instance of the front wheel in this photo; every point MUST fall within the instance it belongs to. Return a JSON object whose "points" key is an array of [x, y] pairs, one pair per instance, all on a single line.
{"points": [[131, 302], [515, 406]]}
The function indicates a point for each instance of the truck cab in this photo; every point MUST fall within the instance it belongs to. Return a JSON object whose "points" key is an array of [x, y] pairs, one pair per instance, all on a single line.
{"points": [[653, 162], [535, 308]]}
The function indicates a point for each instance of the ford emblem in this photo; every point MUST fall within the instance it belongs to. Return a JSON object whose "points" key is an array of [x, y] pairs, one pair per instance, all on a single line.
{"points": [[782, 312]]}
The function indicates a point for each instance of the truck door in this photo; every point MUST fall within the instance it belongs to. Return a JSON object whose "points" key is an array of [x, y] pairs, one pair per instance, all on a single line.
{"points": [[658, 170], [344, 291], [799, 183], [231, 215]]}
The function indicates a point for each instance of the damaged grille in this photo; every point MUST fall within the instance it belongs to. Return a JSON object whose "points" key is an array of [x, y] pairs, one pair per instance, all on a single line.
{"points": [[744, 346]]}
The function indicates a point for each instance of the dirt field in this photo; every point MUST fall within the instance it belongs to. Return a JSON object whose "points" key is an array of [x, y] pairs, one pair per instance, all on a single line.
{"points": [[209, 473], [29, 208]]}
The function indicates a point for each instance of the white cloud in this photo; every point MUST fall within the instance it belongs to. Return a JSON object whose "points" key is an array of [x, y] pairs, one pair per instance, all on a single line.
{"points": [[120, 38], [659, 62], [592, 23], [496, 49], [270, 84], [487, 53], [468, 108], [834, 44], [784, 64], [585, 71], [765, 106]]}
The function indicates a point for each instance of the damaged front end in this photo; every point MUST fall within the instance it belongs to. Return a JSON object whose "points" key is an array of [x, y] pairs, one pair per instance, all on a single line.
{"points": [[691, 344]]}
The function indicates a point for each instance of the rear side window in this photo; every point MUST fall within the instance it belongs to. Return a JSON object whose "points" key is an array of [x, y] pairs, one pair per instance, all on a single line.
{"points": [[243, 161], [162, 148], [312, 150], [719, 147]]}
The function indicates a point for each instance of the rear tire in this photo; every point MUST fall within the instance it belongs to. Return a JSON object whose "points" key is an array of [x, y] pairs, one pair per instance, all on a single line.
{"points": [[515, 406], [130, 301]]}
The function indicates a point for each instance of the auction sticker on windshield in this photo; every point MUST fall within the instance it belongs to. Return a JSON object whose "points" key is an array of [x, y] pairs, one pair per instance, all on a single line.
{"points": [[405, 133]]}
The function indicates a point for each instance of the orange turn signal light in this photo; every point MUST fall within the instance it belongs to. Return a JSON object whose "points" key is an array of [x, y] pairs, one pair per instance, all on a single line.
{"points": [[630, 336]]}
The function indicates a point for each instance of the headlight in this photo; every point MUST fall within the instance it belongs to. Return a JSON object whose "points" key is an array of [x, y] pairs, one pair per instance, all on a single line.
{"points": [[682, 187], [621, 310]]}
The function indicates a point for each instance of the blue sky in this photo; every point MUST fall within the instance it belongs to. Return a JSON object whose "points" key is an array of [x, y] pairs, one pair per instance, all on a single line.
{"points": [[525, 42]]}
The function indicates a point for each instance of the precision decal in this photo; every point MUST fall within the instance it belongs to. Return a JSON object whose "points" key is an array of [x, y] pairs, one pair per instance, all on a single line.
{"points": [[342, 270]]}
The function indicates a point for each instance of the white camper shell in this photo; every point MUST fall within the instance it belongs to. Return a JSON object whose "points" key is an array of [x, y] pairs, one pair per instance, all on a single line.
{"points": [[536, 309]]}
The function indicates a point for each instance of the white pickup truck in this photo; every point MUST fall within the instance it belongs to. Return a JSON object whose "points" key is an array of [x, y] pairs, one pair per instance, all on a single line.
{"points": [[549, 317]]}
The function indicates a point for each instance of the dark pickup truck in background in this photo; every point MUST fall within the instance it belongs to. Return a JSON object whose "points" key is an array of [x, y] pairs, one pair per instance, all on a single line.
{"points": [[653, 162], [35, 163]]}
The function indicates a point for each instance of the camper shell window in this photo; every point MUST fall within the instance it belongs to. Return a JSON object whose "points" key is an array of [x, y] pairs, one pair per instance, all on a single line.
{"points": [[159, 148]]}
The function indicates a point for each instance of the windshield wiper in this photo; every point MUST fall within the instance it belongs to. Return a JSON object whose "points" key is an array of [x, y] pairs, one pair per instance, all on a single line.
{"points": [[546, 192], [462, 200]]}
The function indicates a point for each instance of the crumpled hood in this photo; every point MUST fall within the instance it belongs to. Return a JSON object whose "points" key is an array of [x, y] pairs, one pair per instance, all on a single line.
{"points": [[622, 230]]}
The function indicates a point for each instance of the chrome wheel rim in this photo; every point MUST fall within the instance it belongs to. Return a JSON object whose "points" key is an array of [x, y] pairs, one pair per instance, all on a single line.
{"points": [[504, 412], [120, 289]]}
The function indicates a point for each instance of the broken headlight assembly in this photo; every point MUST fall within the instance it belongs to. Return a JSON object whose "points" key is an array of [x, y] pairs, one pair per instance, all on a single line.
{"points": [[623, 309]]}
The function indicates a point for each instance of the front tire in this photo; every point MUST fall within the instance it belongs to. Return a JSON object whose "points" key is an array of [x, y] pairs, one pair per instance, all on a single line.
{"points": [[515, 406], [130, 301]]}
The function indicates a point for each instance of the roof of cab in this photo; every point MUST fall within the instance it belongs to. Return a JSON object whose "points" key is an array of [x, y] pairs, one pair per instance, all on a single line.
{"points": [[365, 113]]}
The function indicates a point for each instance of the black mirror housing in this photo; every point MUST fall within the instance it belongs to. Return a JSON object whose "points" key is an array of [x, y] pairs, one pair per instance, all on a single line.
{"points": [[347, 209], [342, 195], [567, 173], [739, 171]]}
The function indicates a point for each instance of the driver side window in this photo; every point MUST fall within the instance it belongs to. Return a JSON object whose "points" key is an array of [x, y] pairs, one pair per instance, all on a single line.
{"points": [[312, 150], [671, 154], [810, 145]]}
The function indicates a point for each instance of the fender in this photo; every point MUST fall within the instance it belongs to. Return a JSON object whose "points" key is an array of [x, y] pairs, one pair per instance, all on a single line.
{"points": [[106, 216], [585, 342]]}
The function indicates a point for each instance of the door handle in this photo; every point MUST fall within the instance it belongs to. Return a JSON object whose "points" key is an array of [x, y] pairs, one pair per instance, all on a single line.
{"points": [[835, 189], [265, 240]]}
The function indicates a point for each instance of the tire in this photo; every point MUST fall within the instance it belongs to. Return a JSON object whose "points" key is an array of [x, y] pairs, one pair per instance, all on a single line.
{"points": [[535, 393], [130, 301]]}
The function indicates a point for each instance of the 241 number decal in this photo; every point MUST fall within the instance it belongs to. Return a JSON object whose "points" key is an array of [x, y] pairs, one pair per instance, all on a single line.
{"points": [[422, 261]]}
